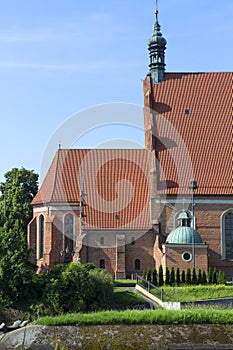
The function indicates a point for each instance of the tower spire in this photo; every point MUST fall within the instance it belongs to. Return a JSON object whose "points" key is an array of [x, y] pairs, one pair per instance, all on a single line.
{"points": [[157, 46]]}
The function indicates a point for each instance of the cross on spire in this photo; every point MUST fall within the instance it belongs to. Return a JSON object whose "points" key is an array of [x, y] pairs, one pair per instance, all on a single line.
{"points": [[157, 9]]}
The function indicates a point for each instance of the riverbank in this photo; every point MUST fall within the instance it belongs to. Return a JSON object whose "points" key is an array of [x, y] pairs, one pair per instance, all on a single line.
{"points": [[115, 337]]}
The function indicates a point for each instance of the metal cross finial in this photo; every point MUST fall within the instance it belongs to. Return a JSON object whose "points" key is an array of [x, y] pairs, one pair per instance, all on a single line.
{"points": [[157, 9]]}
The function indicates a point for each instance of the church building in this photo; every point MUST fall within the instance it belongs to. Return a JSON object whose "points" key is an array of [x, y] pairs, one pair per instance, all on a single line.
{"points": [[170, 203]]}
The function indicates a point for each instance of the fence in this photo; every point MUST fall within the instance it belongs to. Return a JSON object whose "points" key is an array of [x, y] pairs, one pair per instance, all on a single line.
{"points": [[150, 287]]}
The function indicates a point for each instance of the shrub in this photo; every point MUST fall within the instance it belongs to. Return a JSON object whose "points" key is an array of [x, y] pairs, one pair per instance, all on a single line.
{"points": [[172, 276], [199, 277], [194, 276], [183, 277], [221, 277], [161, 281], [167, 276], [215, 280], [178, 276], [204, 278], [154, 277], [210, 276], [188, 276], [148, 275]]}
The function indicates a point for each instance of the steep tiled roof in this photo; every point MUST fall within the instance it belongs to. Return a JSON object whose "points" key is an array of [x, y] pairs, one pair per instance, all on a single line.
{"points": [[115, 181], [205, 130]]}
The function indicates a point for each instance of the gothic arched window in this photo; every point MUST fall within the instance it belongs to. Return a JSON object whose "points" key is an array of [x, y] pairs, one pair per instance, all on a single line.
{"points": [[40, 242], [102, 264], [137, 264], [227, 234], [69, 233]]}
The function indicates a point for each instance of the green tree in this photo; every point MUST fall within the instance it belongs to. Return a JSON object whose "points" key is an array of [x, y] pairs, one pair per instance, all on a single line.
{"points": [[154, 277], [221, 277], [194, 276], [210, 275], [18, 190], [172, 276], [188, 276], [215, 280], [183, 277], [178, 276], [204, 278], [199, 277], [161, 280], [148, 275], [167, 276]]}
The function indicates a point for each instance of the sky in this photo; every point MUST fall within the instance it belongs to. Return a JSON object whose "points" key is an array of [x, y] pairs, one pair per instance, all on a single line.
{"points": [[60, 57]]}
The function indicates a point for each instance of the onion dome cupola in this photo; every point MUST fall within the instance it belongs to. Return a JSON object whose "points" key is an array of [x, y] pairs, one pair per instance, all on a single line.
{"points": [[157, 46], [184, 234]]}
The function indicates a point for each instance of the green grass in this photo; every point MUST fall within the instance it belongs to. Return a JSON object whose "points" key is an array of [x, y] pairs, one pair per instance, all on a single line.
{"points": [[193, 293], [130, 317], [124, 298]]}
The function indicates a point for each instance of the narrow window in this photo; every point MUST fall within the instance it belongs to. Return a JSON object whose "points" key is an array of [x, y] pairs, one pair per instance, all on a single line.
{"points": [[102, 240], [102, 264], [229, 235], [69, 236], [41, 237], [137, 264]]}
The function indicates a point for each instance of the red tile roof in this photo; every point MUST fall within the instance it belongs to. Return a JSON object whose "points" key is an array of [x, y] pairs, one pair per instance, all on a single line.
{"points": [[116, 183], [206, 132]]}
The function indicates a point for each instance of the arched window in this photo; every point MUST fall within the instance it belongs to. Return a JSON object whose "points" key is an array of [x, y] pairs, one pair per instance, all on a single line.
{"points": [[40, 242], [137, 264], [227, 234], [102, 264], [102, 240], [69, 234]]}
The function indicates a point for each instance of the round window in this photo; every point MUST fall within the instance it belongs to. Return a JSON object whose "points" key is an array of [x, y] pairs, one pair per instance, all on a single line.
{"points": [[187, 256]]}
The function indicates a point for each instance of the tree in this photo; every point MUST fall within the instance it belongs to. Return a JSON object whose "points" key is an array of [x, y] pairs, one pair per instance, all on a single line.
{"points": [[178, 276], [215, 280], [161, 281], [148, 275], [204, 278], [188, 276], [210, 276], [154, 277], [167, 276], [183, 277], [199, 277], [194, 276], [172, 276], [15, 213], [221, 277]]}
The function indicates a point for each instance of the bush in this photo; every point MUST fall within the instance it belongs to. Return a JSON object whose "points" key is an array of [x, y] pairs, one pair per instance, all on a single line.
{"points": [[215, 281], [188, 276], [172, 276], [161, 281], [194, 276], [221, 277], [204, 278], [183, 277], [210, 276], [199, 277], [73, 288], [148, 275], [167, 277], [178, 276], [154, 277]]}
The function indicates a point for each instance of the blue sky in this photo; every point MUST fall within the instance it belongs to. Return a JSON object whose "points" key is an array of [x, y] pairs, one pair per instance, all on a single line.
{"points": [[58, 57]]}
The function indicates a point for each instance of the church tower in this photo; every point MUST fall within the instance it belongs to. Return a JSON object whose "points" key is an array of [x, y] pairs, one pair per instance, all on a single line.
{"points": [[157, 46]]}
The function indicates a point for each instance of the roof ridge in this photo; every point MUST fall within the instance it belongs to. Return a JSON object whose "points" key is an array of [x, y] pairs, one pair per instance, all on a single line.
{"points": [[56, 171]]}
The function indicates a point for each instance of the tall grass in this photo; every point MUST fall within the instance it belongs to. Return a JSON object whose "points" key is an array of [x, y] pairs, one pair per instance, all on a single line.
{"points": [[130, 317]]}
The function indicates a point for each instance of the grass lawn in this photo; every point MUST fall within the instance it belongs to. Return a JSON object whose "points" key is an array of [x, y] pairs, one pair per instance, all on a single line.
{"points": [[192, 293], [123, 298], [130, 317]]}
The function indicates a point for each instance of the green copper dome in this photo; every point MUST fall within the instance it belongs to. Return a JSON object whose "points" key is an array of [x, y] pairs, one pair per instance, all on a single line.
{"points": [[183, 235], [157, 37]]}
